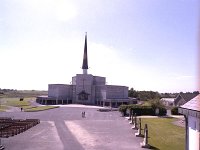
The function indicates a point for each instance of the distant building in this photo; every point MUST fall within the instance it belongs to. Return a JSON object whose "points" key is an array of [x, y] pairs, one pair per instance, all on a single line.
{"points": [[168, 101], [180, 99], [86, 89], [191, 112], [183, 98]]}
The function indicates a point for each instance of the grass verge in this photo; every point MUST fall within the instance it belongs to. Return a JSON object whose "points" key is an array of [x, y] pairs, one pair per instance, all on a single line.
{"points": [[16, 102], [3, 108], [164, 135], [39, 108]]}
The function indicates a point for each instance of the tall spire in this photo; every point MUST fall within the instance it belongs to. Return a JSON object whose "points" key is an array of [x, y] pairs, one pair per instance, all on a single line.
{"points": [[85, 59]]}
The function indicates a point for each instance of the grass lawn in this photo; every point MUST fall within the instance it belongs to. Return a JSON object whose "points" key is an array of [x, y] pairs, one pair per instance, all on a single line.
{"points": [[164, 135], [3, 108], [39, 108], [16, 102], [25, 104]]}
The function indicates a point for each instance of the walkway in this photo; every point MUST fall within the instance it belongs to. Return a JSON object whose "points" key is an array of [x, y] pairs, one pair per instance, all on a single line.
{"points": [[64, 129], [13, 109]]}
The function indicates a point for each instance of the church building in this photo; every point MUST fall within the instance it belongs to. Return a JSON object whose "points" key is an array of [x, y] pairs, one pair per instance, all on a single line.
{"points": [[86, 89]]}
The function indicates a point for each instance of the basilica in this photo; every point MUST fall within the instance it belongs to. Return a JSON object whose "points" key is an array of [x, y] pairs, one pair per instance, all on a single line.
{"points": [[86, 89]]}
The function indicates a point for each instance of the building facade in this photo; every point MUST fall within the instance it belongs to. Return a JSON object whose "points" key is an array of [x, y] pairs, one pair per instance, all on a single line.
{"points": [[86, 89], [191, 112]]}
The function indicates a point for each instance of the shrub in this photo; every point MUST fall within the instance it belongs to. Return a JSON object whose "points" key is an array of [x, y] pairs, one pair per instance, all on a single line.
{"points": [[104, 110], [156, 103], [142, 110], [162, 111], [174, 111], [123, 109]]}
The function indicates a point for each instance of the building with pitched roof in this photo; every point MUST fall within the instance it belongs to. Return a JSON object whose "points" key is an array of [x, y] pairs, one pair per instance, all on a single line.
{"points": [[183, 98], [191, 112], [86, 89]]}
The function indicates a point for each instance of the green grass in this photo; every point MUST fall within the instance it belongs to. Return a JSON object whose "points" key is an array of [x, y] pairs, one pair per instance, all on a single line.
{"points": [[25, 104], [40, 108], [3, 108], [22, 93], [28, 107], [164, 135], [16, 102]]}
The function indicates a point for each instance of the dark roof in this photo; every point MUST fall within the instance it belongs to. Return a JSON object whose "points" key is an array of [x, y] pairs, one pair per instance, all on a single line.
{"points": [[85, 59], [193, 104], [188, 96]]}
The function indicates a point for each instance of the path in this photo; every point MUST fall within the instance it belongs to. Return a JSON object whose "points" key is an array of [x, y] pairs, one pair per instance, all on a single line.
{"points": [[13, 109], [64, 129]]}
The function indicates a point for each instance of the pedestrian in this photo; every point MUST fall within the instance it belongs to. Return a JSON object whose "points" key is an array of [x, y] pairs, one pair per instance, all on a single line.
{"points": [[21, 108], [82, 114]]}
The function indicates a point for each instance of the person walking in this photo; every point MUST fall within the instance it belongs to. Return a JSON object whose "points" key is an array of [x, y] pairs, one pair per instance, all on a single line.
{"points": [[82, 114]]}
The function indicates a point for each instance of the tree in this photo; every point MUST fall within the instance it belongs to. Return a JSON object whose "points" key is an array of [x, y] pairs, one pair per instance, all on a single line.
{"points": [[132, 93]]}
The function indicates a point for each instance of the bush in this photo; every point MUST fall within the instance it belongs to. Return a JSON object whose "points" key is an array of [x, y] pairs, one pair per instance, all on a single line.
{"points": [[140, 110], [162, 111], [174, 111], [123, 109], [104, 110], [156, 103]]}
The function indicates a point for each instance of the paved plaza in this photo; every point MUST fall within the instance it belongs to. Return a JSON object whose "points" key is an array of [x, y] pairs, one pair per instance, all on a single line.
{"points": [[64, 129]]}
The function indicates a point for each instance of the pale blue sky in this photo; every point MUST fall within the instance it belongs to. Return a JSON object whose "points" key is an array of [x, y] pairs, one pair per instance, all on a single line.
{"points": [[144, 44]]}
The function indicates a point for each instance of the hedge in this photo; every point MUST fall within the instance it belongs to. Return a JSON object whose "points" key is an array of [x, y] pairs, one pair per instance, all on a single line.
{"points": [[174, 111], [123, 109], [142, 110]]}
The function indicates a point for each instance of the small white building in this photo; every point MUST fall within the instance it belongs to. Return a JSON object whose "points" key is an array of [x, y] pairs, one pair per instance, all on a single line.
{"points": [[167, 101], [191, 112], [179, 100]]}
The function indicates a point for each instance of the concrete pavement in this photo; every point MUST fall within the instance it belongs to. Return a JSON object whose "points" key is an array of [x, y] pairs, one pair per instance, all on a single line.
{"points": [[65, 129]]}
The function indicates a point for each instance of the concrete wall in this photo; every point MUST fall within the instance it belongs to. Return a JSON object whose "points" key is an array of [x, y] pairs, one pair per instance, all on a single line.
{"points": [[74, 80], [194, 133], [60, 91], [92, 85], [84, 82], [99, 80], [116, 92], [73, 93], [100, 92]]}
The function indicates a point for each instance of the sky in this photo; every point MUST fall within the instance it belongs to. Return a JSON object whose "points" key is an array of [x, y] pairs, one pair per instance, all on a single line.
{"points": [[144, 44]]}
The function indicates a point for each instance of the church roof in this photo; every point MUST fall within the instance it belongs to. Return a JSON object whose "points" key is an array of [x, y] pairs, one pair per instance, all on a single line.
{"points": [[85, 59]]}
